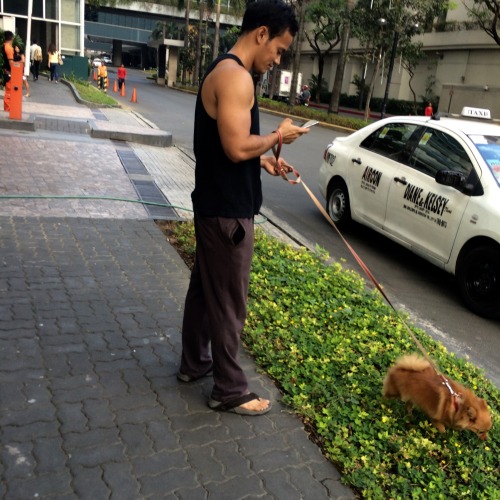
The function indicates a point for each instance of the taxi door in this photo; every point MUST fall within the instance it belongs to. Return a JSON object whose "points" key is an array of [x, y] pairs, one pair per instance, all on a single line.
{"points": [[421, 213], [374, 165]]}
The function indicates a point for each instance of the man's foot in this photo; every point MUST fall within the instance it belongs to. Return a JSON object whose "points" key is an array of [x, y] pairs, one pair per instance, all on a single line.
{"points": [[249, 404], [186, 378]]}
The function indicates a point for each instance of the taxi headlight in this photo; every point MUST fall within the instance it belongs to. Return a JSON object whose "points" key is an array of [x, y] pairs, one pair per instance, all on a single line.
{"points": [[328, 156]]}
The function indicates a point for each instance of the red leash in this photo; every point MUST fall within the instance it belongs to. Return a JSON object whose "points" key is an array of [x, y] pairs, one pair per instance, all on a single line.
{"points": [[298, 180]]}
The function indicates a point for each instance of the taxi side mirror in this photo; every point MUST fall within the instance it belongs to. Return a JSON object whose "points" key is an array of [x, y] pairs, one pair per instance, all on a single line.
{"points": [[454, 179]]}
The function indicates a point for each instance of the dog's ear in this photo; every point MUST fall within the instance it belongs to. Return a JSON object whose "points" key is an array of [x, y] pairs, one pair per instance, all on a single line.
{"points": [[472, 413]]}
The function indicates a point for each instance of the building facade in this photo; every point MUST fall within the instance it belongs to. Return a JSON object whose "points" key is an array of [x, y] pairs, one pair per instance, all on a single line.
{"points": [[57, 21], [460, 60]]}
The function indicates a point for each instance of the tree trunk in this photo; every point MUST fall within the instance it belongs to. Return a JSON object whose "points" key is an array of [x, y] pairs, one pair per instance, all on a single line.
{"points": [[217, 30], [413, 93], [371, 87], [321, 68], [339, 73], [197, 66], [186, 40], [298, 51]]}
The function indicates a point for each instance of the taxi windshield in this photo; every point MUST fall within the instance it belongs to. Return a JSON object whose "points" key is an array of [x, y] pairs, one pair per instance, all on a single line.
{"points": [[489, 147]]}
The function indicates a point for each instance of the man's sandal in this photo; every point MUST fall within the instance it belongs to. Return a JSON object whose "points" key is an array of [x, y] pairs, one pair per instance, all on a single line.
{"points": [[186, 378], [234, 405]]}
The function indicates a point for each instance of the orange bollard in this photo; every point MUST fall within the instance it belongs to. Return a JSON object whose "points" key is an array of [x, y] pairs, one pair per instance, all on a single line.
{"points": [[15, 90], [94, 75], [115, 87], [122, 93], [134, 96]]}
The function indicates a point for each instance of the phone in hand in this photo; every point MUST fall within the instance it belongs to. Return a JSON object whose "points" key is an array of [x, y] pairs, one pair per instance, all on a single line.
{"points": [[310, 123]]}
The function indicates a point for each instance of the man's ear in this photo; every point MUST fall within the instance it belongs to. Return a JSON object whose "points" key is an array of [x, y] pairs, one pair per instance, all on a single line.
{"points": [[262, 34]]}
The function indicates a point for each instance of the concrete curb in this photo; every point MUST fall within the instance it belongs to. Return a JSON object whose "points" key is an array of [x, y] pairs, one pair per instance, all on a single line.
{"points": [[150, 137]]}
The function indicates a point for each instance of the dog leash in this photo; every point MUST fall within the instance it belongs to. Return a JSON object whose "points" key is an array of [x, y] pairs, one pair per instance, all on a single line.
{"points": [[298, 180]]}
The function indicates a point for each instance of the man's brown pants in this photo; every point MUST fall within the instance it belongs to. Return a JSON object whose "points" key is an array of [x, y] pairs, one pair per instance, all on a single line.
{"points": [[215, 308]]}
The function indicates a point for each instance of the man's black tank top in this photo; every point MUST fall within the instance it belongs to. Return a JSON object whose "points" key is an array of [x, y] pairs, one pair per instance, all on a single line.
{"points": [[223, 188]]}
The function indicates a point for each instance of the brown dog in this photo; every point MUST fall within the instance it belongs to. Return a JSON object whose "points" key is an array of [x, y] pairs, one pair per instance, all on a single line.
{"points": [[414, 381]]}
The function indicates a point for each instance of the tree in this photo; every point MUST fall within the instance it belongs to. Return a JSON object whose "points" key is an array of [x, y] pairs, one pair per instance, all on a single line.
{"points": [[377, 26], [187, 5], [237, 7], [339, 73], [410, 57], [325, 35], [487, 14], [301, 6]]}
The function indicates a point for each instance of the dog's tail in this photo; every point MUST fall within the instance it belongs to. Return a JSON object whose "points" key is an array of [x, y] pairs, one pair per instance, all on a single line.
{"points": [[410, 362]]}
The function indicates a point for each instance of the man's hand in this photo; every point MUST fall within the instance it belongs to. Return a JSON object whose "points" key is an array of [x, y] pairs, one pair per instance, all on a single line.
{"points": [[269, 164], [291, 132]]}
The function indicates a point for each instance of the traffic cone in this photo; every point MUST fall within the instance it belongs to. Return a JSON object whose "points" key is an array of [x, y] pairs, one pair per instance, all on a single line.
{"points": [[115, 87], [94, 75], [122, 93], [134, 96]]}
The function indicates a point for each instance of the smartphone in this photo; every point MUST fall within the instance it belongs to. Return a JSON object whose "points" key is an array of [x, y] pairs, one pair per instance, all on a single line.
{"points": [[310, 123]]}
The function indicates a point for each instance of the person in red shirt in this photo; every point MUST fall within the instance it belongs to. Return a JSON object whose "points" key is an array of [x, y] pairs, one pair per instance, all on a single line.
{"points": [[428, 110], [8, 58], [122, 74]]}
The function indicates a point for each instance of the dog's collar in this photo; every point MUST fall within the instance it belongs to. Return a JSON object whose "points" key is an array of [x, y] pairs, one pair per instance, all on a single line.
{"points": [[455, 395], [456, 404]]}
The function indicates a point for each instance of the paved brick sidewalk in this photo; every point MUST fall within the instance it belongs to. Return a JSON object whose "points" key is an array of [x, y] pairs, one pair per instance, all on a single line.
{"points": [[91, 300]]}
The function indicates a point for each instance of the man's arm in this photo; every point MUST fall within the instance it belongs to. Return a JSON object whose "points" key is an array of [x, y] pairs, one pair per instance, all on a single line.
{"points": [[232, 92]]}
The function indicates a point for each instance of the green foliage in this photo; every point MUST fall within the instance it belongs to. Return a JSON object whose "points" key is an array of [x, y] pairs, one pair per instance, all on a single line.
{"points": [[308, 112], [91, 94], [316, 86], [327, 342]]}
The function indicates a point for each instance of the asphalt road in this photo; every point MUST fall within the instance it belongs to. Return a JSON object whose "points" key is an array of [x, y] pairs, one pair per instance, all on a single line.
{"points": [[427, 293]]}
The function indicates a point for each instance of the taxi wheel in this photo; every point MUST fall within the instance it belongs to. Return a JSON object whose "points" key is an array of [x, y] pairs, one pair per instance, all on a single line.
{"points": [[337, 205], [478, 275]]}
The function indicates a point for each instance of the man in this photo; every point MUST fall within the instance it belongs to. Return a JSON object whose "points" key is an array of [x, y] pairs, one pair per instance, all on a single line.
{"points": [[102, 77], [226, 197], [122, 74], [305, 95], [8, 58], [36, 58]]}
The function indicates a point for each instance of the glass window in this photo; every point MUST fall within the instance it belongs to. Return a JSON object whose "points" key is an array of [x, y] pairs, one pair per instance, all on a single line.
{"points": [[16, 7], [391, 140], [489, 147], [70, 11], [436, 151], [51, 11], [37, 8], [70, 38]]}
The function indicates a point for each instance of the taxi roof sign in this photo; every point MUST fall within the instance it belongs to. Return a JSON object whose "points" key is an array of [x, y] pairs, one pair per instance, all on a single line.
{"points": [[476, 113]]}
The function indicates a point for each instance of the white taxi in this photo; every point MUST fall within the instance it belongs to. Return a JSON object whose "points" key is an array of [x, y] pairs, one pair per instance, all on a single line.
{"points": [[432, 184]]}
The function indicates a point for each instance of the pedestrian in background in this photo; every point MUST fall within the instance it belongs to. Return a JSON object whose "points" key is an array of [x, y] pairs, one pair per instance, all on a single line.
{"points": [[428, 110], [8, 54], [36, 57], [20, 53], [102, 77], [227, 195], [122, 74], [53, 61]]}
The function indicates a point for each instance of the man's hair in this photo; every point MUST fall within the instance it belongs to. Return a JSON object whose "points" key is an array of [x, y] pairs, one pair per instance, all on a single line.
{"points": [[276, 15], [8, 35]]}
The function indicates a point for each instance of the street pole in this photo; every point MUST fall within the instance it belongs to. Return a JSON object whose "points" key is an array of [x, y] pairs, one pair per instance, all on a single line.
{"points": [[389, 72]]}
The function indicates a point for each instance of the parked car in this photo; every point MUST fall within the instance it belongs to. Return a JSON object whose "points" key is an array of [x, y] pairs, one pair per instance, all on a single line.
{"points": [[96, 62], [432, 184], [106, 59]]}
